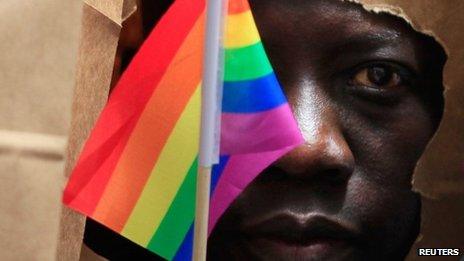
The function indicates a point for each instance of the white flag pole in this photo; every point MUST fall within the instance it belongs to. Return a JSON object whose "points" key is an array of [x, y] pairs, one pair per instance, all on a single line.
{"points": [[211, 91]]}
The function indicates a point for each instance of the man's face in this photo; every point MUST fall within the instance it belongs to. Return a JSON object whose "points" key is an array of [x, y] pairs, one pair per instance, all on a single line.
{"points": [[366, 91]]}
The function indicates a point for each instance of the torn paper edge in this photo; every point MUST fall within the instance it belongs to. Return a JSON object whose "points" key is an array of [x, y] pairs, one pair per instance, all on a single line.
{"points": [[398, 12]]}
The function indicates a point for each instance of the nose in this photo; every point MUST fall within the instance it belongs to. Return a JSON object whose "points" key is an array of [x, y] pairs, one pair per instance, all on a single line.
{"points": [[326, 152]]}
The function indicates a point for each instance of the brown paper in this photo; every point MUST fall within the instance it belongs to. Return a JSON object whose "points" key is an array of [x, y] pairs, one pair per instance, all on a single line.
{"points": [[439, 175], [101, 26], [113, 9], [88, 255], [31, 165], [37, 65]]}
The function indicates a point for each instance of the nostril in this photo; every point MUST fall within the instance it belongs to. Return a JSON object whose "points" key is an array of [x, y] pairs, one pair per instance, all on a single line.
{"points": [[272, 174], [334, 177], [330, 159]]}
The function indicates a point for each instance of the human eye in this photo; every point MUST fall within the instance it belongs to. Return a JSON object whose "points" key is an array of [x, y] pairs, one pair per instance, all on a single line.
{"points": [[381, 82]]}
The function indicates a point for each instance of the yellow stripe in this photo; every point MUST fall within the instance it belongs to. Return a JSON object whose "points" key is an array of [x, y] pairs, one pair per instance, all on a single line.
{"points": [[167, 175], [241, 30]]}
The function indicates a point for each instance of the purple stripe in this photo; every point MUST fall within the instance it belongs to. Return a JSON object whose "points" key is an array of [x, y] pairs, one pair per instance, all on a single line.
{"points": [[258, 132], [238, 173]]}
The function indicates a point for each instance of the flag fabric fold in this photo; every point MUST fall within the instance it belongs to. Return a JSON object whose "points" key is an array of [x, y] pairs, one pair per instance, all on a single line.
{"points": [[257, 125], [137, 171]]}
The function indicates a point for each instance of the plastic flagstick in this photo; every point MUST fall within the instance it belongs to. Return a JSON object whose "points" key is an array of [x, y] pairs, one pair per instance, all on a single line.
{"points": [[211, 91]]}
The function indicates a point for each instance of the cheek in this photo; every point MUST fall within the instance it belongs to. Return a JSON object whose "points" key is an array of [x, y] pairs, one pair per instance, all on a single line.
{"points": [[411, 125], [388, 142], [388, 216]]}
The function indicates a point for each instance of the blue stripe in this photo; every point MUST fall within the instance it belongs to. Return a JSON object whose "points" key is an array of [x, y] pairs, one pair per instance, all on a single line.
{"points": [[253, 95], [186, 249], [217, 171]]}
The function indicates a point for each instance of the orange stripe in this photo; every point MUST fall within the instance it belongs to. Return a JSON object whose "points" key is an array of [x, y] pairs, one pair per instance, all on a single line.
{"points": [[238, 6], [152, 131]]}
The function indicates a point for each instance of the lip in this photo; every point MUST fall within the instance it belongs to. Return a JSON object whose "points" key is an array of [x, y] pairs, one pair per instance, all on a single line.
{"points": [[296, 237]]}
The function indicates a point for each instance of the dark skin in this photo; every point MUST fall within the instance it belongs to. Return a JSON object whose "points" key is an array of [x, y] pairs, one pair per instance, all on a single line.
{"points": [[366, 92]]}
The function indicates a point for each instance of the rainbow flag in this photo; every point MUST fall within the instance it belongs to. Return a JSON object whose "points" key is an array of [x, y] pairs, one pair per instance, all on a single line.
{"points": [[137, 171]]}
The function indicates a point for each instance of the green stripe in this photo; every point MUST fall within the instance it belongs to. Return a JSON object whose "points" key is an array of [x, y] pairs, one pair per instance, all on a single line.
{"points": [[246, 63], [175, 225]]}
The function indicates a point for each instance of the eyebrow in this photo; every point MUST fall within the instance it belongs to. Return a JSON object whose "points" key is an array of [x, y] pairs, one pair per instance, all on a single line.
{"points": [[365, 43], [366, 38]]}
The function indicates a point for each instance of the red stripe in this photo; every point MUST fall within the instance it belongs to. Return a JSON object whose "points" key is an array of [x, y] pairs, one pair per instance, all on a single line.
{"points": [[126, 103], [80, 193], [152, 131], [238, 6]]}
